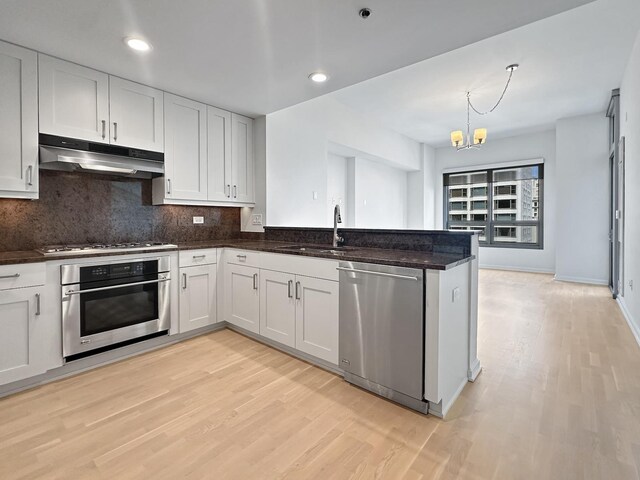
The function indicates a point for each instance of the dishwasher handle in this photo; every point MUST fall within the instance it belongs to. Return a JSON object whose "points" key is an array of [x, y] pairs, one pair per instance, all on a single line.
{"points": [[381, 274]]}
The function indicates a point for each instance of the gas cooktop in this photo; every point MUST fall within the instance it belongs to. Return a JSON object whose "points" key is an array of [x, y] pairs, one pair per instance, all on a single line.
{"points": [[94, 248]]}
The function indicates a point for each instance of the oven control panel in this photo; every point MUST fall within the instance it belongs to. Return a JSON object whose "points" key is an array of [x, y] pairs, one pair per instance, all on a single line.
{"points": [[118, 270]]}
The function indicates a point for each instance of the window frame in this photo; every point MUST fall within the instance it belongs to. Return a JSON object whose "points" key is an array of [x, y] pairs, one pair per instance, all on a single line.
{"points": [[490, 224]]}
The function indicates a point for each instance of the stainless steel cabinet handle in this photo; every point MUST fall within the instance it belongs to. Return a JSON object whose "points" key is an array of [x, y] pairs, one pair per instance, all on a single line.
{"points": [[37, 304], [115, 131], [297, 290], [195, 257], [168, 186], [30, 175], [255, 281], [184, 281], [235, 191], [289, 287], [229, 189], [381, 274], [78, 292], [240, 257], [104, 129], [15, 275]]}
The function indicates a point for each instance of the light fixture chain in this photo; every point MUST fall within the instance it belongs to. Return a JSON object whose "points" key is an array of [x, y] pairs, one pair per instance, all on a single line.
{"points": [[499, 100]]}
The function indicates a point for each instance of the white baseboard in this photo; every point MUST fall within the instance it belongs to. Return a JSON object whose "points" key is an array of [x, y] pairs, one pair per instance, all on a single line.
{"points": [[454, 397], [516, 269], [635, 329], [474, 371], [590, 281]]}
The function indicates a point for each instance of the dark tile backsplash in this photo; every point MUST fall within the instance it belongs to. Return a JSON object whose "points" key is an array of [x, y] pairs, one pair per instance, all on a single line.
{"points": [[433, 241], [82, 208]]}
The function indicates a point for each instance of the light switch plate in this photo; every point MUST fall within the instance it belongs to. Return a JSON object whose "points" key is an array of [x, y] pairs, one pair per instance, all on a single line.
{"points": [[198, 220]]}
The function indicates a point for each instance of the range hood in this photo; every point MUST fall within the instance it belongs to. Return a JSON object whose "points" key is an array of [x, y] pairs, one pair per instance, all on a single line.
{"points": [[68, 154]]}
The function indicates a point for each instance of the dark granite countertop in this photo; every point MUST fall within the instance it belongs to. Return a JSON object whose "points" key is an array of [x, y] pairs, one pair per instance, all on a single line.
{"points": [[393, 257]]}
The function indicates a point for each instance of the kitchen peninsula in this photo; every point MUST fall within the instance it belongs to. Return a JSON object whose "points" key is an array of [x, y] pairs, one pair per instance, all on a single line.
{"points": [[282, 288]]}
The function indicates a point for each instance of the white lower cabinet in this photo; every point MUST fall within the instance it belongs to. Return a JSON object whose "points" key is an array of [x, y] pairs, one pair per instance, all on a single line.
{"points": [[278, 307], [242, 298], [21, 334], [197, 297], [317, 318]]}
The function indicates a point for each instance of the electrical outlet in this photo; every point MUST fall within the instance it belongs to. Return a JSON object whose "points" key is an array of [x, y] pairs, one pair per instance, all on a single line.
{"points": [[455, 294], [198, 220], [256, 219]]}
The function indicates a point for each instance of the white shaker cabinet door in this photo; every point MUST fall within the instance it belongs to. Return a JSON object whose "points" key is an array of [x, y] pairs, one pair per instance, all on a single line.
{"points": [[18, 122], [219, 154], [197, 297], [242, 160], [278, 307], [317, 318], [242, 296], [185, 159], [136, 115], [74, 100], [20, 342]]}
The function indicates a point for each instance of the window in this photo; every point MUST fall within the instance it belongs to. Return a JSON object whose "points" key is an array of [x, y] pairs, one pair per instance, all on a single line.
{"points": [[458, 193], [509, 206], [479, 192], [505, 190], [457, 206], [504, 204]]}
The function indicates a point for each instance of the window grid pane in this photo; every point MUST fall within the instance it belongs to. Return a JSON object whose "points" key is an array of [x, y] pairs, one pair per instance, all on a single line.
{"points": [[509, 207]]}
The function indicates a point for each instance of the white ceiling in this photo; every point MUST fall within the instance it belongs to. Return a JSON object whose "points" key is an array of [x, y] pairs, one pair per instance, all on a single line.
{"points": [[253, 56], [569, 63]]}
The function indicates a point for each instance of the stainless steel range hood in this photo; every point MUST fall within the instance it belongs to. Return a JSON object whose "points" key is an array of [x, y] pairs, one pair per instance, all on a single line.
{"points": [[66, 154]]}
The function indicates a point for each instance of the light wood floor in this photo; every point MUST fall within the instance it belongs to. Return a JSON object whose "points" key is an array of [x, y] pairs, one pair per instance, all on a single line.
{"points": [[559, 398]]}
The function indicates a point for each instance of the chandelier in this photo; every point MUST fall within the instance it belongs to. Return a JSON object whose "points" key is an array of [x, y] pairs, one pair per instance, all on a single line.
{"points": [[479, 134]]}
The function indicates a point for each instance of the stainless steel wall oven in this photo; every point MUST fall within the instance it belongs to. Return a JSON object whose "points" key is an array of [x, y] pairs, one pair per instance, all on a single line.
{"points": [[110, 303]]}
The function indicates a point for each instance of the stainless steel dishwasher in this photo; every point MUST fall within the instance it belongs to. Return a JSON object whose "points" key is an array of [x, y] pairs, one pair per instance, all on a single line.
{"points": [[382, 330]]}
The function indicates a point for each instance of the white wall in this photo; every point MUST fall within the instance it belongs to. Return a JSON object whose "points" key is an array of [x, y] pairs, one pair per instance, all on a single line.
{"points": [[630, 129], [337, 190], [421, 192], [583, 199], [521, 147], [298, 140], [380, 195]]}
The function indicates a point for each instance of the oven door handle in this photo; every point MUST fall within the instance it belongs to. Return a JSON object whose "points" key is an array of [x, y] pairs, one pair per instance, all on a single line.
{"points": [[122, 285]]}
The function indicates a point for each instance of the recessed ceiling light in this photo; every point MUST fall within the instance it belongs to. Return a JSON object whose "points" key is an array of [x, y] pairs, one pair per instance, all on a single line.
{"points": [[137, 44], [318, 77]]}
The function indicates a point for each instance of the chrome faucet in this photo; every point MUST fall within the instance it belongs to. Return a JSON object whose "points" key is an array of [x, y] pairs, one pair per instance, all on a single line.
{"points": [[337, 239]]}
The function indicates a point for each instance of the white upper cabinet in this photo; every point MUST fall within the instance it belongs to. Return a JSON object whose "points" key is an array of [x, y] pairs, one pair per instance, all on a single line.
{"points": [[185, 160], [219, 154], [136, 115], [18, 122], [242, 162], [79, 102], [74, 100]]}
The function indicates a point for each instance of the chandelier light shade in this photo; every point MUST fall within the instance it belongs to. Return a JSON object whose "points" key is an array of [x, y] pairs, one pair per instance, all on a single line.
{"points": [[479, 134], [457, 138]]}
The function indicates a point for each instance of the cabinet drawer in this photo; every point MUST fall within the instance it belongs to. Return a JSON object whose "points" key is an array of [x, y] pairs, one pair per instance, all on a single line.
{"points": [[205, 256], [242, 257], [20, 276]]}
